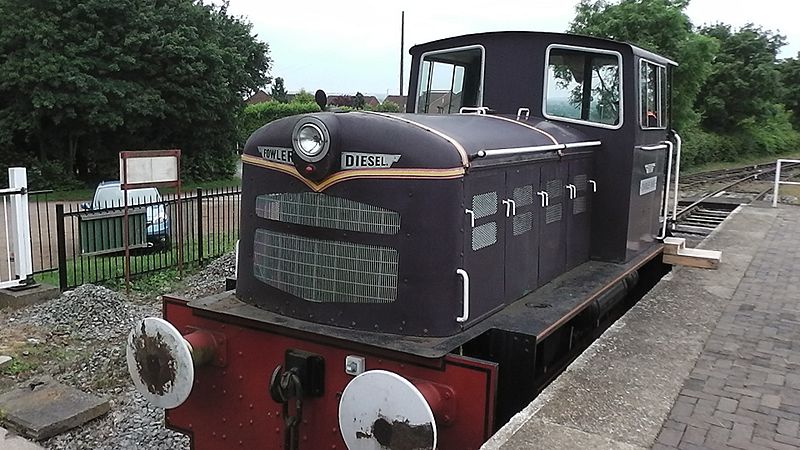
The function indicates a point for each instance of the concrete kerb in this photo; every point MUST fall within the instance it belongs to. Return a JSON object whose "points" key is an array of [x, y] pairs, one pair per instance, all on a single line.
{"points": [[652, 350]]}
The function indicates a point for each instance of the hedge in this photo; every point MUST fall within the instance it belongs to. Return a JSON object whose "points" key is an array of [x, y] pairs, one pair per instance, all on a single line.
{"points": [[256, 116]]}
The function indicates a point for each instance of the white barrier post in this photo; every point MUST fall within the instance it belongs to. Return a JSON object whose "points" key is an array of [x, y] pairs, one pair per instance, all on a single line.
{"points": [[777, 182], [19, 231]]}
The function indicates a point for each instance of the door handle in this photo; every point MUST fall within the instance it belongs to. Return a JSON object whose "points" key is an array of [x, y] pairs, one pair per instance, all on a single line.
{"points": [[511, 207], [471, 216], [545, 198], [594, 185]]}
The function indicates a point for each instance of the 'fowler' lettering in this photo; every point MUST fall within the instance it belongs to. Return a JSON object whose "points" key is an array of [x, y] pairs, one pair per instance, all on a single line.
{"points": [[276, 154]]}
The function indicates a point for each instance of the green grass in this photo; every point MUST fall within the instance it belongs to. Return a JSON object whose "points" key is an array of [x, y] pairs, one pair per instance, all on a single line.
{"points": [[29, 357], [740, 163], [78, 195], [151, 270]]}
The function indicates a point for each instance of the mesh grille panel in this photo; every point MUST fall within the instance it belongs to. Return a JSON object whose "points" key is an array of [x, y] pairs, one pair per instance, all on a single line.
{"points": [[554, 188], [523, 223], [320, 210], [580, 182], [484, 235], [552, 213], [484, 204], [325, 271], [579, 205], [523, 196]]}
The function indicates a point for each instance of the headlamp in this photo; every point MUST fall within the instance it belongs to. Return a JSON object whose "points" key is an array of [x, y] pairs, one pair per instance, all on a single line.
{"points": [[311, 139]]}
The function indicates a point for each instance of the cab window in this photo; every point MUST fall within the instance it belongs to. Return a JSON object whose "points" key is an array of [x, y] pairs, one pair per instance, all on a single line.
{"points": [[450, 80], [583, 86], [653, 95]]}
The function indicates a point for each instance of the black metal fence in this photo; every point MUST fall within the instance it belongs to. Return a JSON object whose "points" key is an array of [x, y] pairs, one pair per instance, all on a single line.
{"points": [[89, 238]]}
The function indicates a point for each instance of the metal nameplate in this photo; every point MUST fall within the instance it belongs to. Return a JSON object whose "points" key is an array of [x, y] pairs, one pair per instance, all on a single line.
{"points": [[647, 185], [355, 160], [276, 154]]}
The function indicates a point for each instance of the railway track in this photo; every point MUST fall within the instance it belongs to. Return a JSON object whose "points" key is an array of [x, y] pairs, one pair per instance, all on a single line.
{"points": [[719, 192]]}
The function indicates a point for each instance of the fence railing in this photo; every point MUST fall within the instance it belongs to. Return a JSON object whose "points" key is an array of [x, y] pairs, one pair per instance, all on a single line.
{"points": [[778, 181], [90, 246]]}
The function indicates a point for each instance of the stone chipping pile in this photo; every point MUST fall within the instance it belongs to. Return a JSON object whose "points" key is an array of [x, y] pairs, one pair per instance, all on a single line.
{"points": [[91, 323]]}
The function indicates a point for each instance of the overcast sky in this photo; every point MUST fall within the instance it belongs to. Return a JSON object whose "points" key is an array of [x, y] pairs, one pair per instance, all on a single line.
{"points": [[344, 46]]}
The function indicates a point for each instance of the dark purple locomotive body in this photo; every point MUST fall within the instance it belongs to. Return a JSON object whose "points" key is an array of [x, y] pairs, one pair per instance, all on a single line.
{"points": [[461, 251], [380, 248]]}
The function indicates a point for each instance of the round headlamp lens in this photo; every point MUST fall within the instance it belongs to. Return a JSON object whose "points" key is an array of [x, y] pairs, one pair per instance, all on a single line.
{"points": [[310, 140]]}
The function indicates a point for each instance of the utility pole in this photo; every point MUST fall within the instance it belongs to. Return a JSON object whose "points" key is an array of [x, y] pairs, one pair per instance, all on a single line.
{"points": [[402, 39]]}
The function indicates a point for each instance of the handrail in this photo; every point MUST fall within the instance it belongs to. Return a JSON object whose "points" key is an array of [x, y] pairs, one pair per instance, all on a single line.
{"points": [[536, 148], [678, 144], [667, 185], [465, 280], [778, 181]]}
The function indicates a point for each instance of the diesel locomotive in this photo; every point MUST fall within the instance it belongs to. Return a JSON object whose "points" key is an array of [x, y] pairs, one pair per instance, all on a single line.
{"points": [[407, 281]]}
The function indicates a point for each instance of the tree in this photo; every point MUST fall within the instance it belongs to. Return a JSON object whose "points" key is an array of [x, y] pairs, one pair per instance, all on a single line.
{"points": [[278, 91], [790, 87], [386, 106], [745, 78], [358, 101], [303, 97], [660, 26], [81, 80]]}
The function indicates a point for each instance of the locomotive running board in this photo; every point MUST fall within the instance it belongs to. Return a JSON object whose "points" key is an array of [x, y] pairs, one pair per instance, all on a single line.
{"points": [[676, 253]]}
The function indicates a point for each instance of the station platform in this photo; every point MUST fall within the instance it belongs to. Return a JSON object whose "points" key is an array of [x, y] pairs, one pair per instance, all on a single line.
{"points": [[707, 359]]}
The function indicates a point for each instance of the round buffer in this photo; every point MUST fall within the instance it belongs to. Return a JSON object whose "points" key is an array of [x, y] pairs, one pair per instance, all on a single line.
{"points": [[160, 362], [382, 410]]}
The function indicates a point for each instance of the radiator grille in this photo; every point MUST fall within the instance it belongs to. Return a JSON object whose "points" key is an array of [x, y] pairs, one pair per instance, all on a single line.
{"points": [[326, 211], [553, 213], [484, 205], [579, 205], [554, 188], [580, 182], [325, 271], [484, 235], [523, 223], [523, 196]]}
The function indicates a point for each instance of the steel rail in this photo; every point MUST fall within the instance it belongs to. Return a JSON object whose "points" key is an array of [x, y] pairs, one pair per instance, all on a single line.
{"points": [[687, 210]]}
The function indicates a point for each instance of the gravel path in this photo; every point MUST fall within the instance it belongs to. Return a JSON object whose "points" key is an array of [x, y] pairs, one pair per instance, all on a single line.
{"points": [[79, 339]]}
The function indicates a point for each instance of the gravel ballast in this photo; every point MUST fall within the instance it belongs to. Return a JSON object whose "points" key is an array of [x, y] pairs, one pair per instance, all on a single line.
{"points": [[82, 335]]}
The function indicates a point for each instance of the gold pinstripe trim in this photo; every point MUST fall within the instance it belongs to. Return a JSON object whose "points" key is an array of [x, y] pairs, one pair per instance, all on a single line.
{"points": [[549, 136], [453, 142], [456, 172]]}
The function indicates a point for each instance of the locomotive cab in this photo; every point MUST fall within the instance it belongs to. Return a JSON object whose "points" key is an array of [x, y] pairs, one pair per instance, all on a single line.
{"points": [[447, 256]]}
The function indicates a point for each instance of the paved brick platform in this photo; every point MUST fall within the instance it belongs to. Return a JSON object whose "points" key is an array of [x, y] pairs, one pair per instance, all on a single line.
{"points": [[707, 359], [744, 391]]}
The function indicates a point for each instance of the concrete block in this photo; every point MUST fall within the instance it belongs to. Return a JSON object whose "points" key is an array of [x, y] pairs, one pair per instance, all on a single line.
{"points": [[43, 410], [4, 361], [38, 294], [10, 441]]}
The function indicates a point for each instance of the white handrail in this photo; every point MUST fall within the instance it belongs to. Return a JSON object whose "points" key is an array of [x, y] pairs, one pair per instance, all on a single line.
{"points": [[666, 191], [778, 181], [465, 280], [678, 143]]}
